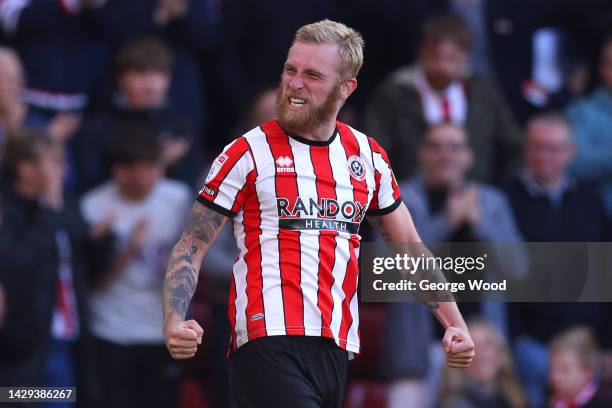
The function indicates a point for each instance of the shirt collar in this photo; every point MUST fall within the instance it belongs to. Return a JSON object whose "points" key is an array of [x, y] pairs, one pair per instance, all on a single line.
{"points": [[535, 188]]}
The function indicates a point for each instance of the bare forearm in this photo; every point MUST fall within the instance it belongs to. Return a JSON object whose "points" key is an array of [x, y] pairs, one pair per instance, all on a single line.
{"points": [[436, 300], [400, 235], [448, 315], [397, 229], [181, 279], [203, 226]]}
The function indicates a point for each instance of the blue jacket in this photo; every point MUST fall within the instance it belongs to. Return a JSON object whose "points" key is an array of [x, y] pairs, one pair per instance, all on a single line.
{"points": [[407, 355], [591, 121], [496, 224]]}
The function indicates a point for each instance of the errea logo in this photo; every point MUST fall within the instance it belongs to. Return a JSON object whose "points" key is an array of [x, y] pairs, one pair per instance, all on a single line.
{"points": [[284, 164]]}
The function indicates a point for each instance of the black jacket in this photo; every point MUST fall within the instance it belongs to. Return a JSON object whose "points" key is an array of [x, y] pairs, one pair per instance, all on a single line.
{"points": [[29, 274]]}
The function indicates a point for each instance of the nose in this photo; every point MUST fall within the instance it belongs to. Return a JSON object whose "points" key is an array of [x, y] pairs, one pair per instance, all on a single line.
{"points": [[296, 82]]}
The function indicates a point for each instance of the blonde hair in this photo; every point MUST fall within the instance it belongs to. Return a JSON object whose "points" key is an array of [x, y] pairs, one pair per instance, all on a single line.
{"points": [[506, 382], [349, 41], [579, 340]]}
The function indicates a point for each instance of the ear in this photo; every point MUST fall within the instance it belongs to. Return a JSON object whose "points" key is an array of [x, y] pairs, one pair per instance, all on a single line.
{"points": [[347, 88]]}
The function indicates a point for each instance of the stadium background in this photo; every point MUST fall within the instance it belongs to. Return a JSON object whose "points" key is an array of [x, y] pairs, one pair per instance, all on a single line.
{"points": [[214, 66]]}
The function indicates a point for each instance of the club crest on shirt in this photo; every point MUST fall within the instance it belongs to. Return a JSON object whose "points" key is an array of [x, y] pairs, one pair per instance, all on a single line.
{"points": [[356, 166], [216, 166]]}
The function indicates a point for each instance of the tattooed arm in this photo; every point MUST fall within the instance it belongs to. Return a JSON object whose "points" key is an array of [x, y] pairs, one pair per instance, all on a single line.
{"points": [[203, 226], [399, 232]]}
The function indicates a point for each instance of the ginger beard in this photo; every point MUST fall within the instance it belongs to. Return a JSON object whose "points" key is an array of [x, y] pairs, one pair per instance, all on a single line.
{"points": [[311, 116]]}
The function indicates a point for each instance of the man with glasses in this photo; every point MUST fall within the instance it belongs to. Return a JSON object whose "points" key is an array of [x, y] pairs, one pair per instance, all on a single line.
{"points": [[445, 204]]}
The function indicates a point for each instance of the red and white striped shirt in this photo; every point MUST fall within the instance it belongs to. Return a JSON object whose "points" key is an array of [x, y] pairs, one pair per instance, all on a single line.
{"points": [[296, 206]]}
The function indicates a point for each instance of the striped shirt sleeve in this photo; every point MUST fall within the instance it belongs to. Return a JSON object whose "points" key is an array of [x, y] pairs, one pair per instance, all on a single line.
{"points": [[386, 193], [226, 185]]}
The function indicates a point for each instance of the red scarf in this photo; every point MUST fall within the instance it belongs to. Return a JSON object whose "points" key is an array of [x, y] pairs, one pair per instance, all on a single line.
{"points": [[582, 398]]}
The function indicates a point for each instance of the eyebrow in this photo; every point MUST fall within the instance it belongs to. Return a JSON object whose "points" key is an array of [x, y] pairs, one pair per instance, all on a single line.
{"points": [[308, 71], [314, 71]]}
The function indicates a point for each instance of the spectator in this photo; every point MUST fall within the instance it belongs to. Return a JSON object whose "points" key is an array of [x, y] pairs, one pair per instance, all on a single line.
{"points": [[445, 204], [189, 27], [551, 206], [15, 113], [573, 371], [143, 74], [60, 49], [591, 121], [438, 88], [146, 213], [490, 381], [448, 207], [445, 207], [49, 249], [512, 43]]}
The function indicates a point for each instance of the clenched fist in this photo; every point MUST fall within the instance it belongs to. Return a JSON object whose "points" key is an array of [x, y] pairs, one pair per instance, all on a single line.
{"points": [[459, 347], [183, 338]]}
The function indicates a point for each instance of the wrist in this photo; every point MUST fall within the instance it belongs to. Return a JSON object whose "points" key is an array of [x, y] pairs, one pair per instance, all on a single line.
{"points": [[461, 326], [171, 320]]}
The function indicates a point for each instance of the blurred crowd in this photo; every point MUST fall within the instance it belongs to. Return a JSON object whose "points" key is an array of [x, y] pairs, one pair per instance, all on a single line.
{"points": [[497, 118]]}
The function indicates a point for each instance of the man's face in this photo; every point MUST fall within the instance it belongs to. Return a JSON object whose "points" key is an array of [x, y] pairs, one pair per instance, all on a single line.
{"points": [[605, 69], [444, 62], [136, 180], [445, 156], [48, 168], [144, 89], [11, 80], [548, 151], [310, 92], [567, 375]]}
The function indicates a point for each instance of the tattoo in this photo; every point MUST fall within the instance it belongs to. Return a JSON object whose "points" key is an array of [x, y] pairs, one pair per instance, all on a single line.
{"points": [[181, 279], [187, 258], [185, 281], [203, 223]]}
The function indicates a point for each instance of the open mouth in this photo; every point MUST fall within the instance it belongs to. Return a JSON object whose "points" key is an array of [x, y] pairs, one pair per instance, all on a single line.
{"points": [[297, 103]]}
